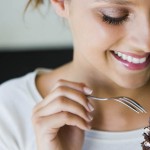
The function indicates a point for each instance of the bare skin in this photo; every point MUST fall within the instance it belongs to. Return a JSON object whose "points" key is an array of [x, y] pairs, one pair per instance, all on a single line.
{"points": [[67, 101], [65, 112], [59, 117]]}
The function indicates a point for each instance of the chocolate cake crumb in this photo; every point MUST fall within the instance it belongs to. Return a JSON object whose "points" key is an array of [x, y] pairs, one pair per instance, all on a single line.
{"points": [[146, 143]]}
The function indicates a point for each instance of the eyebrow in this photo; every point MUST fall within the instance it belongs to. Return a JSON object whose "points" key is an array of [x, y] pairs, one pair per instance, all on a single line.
{"points": [[121, 2]]}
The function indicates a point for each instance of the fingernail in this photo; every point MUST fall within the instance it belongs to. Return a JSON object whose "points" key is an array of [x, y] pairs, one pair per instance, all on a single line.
{"points": [[90, 117], [91, 108], [87, 90]]}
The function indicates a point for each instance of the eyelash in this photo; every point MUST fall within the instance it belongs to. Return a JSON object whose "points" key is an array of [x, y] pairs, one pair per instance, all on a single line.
{"points": [[115, 21]]}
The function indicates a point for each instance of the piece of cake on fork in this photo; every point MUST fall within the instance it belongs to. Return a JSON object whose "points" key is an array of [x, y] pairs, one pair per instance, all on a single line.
{"points": [[146, 143]]}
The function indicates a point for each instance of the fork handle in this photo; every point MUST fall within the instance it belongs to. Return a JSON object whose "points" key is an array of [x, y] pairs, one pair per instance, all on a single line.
{"points": [[97, 98]]}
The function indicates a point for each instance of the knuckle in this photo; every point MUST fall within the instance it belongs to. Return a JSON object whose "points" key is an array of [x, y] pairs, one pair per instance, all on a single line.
{"points": [[61, 100], [81, 85], [66, 115], [61, 89], [60, 82], [37, 121], [83, 98]]}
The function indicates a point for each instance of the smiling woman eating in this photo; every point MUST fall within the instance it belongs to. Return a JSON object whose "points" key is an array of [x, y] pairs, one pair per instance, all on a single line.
{"points": [[111, 40]]}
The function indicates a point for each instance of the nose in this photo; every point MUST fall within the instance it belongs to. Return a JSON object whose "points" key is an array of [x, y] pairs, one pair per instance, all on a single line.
{"points": [[139, 37]]}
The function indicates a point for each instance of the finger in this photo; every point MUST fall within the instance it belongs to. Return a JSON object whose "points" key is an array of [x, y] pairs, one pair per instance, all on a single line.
{"points": [[61, 90], [64, 104], [75, 85], [70, 93], [56, 121]]}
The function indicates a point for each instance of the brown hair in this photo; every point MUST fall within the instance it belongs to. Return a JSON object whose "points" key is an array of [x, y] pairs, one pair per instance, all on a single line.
{"points": [[35, 3]]}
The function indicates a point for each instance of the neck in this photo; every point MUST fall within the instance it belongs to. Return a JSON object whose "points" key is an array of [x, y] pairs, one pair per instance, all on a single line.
{"points": [[99, 83], [107, 114]]}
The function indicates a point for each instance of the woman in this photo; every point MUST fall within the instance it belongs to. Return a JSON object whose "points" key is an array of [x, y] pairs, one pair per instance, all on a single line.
{"points": [[111, 58]]}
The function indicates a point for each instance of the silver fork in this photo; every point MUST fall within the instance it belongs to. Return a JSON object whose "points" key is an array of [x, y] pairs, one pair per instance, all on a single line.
{"points": [[132, 104]]}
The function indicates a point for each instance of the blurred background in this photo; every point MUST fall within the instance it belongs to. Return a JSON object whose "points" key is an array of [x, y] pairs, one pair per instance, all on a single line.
{"points": [[38, 38], [35, 28]]}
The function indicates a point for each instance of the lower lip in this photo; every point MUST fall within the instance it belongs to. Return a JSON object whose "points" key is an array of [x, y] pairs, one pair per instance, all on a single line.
{"points": [[132, 66]]}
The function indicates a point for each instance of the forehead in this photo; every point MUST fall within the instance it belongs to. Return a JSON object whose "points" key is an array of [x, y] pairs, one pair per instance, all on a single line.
{"points": [[125, 2], [115, 1]]}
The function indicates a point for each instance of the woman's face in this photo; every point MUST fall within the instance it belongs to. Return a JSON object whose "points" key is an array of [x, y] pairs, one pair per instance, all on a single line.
{"points": [[112, 38]]}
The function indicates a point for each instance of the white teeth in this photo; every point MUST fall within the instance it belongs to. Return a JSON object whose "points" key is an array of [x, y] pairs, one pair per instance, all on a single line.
{"points": [[124, 57], [135, 60], [130, 58], [119, 54], [142, 60]]}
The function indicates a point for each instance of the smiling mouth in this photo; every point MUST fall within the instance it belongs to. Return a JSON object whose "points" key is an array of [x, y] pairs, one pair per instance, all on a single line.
{"points": [[132, 61]]}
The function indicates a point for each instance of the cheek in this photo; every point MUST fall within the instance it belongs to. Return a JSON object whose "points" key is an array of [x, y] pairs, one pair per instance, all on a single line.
{"points": [[106, 36], [97, 42], [93, 34], [93, 38]]}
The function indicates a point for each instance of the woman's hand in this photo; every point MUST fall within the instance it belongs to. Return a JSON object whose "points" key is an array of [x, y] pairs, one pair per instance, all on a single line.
{"points": [[59, 120]]}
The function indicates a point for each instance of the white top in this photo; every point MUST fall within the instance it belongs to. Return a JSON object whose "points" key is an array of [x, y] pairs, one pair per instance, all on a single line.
{"points": [[17, 99]]}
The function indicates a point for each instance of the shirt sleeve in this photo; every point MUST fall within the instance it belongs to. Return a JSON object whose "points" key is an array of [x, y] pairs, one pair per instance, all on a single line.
{"points": [[16, 131]]}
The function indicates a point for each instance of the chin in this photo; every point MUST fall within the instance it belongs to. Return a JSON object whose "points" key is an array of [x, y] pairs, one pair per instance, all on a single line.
{"points": [[132, 81], [132, 84]]}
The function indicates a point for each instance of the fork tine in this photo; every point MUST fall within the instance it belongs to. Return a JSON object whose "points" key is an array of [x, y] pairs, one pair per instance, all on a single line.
{"points": [[131, 104], [136, 104], [127, 104]]}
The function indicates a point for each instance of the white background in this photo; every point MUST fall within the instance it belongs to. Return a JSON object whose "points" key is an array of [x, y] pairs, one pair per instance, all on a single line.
{"points": [[41, 28]]}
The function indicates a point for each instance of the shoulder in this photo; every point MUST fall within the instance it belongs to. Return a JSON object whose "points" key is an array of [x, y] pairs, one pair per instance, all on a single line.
{"points": [[21, 89], [17, 98], [16, 103], [14, 87], [18, 95]]}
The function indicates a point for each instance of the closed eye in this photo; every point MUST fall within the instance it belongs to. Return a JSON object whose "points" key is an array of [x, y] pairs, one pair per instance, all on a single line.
{"points": [[115, 21]]}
